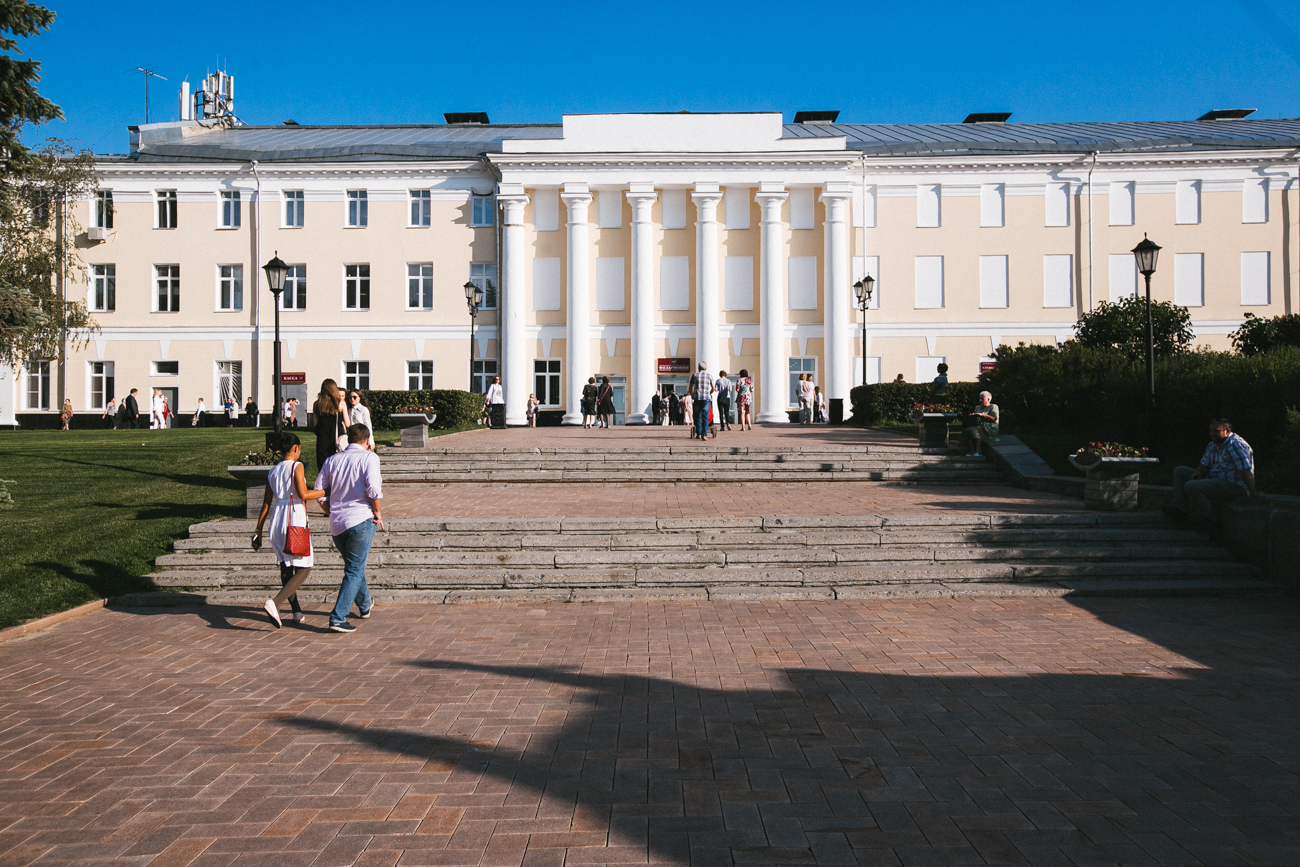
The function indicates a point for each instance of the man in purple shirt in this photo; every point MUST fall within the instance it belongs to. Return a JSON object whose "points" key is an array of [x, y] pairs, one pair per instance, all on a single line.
{"points": [[354, 491]]}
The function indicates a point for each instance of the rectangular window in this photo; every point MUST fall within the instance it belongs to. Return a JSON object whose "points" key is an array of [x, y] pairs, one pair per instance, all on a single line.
{"points": [[861, 267], [294, 209], [674, 283], [294, 296], [546, 210], [104, 289], [737, 282], [481, 376], [928, 197], [546, 284], [358, 209], [992, 205], [166, 209], [164, 368], [609, 283], [1056, 203], [1121, 203], [735, 209], [482, 210], [1255, 279], [801, 208], [100, 377], [419, 375], [929, 282], [230, 209], [230, 383], [1254, 200], [1187, 202], [356, 286], [1058, 281], [421, 207], [104, 209], [169, 288], [485, 277], [419, 286], [993, 281], [798, 366], [232, 287], [546, 381], [36, 394], [356, 375], [1123, 276], [801, 291], [1189, 279]]}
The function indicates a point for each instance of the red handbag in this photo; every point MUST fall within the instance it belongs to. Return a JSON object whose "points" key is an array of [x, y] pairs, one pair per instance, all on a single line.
{"points": [[297, 540]]}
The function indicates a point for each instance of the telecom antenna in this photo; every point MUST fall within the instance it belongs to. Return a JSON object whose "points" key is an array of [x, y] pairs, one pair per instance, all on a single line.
{"points": [[148, 72]]}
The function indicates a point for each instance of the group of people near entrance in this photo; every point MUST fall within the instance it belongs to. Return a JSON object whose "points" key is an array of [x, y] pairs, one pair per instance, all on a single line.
{"points": [[695, 407]]}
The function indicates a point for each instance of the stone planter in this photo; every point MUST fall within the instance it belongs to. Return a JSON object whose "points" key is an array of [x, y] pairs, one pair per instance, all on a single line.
{"points": [[414, 427], [254, 479], [1111, 484], [934, 428]]}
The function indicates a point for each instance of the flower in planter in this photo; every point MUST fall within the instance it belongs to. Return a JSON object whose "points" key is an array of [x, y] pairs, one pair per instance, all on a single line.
{"points": [[931, 407], [416, 409], [1114, 450], [267, 458]]}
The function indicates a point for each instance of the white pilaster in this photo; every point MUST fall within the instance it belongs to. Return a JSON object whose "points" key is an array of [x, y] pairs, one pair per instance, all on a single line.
{"points": [[8, 396], [642, 379], [577, 200], [514, 335], [836, 305], [772, 361], [707, 336]]}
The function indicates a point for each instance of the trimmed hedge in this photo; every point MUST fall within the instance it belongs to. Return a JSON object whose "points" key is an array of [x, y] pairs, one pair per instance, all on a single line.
{"points": [[455, 408], [892, 401]]}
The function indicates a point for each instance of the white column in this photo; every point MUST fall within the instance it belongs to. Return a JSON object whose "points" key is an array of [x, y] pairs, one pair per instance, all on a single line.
{"points": [[642, 379], [8, 395], [577, 199], [772, 366], [707, 337], [513, 333], [837, 308]]}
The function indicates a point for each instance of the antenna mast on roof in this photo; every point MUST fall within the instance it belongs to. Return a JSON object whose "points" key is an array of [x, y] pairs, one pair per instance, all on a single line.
{"points": [[216, 97], [148, 72]]}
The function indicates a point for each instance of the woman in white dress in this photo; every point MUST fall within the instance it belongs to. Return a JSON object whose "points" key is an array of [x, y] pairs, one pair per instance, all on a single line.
{"points": [[688, 404], [285, 501], [359, 410]]}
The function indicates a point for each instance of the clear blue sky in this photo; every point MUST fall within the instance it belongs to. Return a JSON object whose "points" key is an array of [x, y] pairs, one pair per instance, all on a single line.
{"points": [[407, 62]]}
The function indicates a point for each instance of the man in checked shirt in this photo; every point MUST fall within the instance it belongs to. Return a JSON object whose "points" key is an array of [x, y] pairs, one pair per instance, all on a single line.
{"points": [[1227, 471]]}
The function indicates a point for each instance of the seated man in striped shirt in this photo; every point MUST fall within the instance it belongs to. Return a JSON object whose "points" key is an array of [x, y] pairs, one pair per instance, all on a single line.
{"points": [[1227, 471]]}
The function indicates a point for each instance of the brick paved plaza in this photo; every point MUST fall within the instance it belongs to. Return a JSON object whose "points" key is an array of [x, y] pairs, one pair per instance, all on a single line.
{"points": [[1037, 732]]}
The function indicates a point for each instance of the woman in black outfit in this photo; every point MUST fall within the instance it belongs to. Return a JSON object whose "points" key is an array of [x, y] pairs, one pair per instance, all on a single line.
{"points": [[606, 402], [331, 420]]}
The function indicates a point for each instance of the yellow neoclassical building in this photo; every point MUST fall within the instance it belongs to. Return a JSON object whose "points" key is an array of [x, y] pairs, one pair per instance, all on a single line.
{"points": [[637, 245]]}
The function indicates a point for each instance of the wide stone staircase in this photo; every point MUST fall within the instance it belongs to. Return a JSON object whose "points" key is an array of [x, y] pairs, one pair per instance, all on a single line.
{"points": [[875, 556]]}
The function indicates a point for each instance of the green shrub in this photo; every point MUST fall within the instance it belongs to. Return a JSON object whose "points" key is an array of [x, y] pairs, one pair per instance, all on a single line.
{"points": [[1122, 325], [1258, 335], [455, 408], [893, 401]]}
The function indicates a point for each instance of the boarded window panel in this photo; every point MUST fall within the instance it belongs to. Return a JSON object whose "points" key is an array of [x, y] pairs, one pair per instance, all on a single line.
{"points": [[927, 205], [929, 282], [864, 206], [735, 201], [873, 370], [1187, 202], [1056, 201], [672, 209], [738, 282], [1254, 200], [546, 284], [609, 283], [546, 210], [1058, 281], [801, 208], [1189, 279], [609, 209], [927, 367], [802, 287], [675, 283], [862, 266], [1123, 276], [1254, 279], [993, 281], [992, 204], [1121, 203]]}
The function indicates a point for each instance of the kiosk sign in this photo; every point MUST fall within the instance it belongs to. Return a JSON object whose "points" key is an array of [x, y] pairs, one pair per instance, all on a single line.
{"points": [[674, 365]]}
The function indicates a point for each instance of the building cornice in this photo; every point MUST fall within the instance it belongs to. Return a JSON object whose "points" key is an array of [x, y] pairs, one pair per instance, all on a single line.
{"points": [[1082, 160], [290, 170], [703, 162]]}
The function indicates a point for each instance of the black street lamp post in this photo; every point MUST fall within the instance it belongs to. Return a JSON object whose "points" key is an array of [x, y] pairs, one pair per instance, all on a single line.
{"points": [[1146, 253], [276, 271], [863, 289], [473, 300]]}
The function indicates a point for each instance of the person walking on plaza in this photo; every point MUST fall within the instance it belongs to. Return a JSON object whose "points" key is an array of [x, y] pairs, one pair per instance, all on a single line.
{"points": [[199, 412], [805, 398], [589, 393], [531, 411], [288, 414], [110, 414], [66, 414], [656, 408], [745, 397], [605, 402], [1226, 472], [723, 385], [700, 391], [132, 407], [231, 411], [253, 413], [819, 405], [354, 495], [496, 401], [156, 411], [688, 407], [284, 502], [332, 420], [166, 413], [674, 408], [359, 413]]}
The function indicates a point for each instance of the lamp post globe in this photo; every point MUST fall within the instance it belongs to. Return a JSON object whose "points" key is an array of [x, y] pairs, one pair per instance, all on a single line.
{"points": [[1146, 253], [864, 288], [276, 270], [473, 300]]}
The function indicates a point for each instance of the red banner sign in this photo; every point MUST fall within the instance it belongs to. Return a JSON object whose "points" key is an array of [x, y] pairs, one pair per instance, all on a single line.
{"points": [[293, 379], [986, 366], [674, 365]]}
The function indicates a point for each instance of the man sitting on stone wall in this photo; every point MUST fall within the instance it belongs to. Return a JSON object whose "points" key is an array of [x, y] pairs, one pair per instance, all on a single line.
{"points": [[1227, 471]]}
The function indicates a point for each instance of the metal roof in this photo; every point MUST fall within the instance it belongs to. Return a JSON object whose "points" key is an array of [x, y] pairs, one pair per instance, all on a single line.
{"points": [[470, 141]]}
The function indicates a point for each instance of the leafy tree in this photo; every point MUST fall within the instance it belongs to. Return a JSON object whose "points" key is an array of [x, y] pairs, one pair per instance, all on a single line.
{"points": [[1258, 335], [20, 104], [1122, 325]]}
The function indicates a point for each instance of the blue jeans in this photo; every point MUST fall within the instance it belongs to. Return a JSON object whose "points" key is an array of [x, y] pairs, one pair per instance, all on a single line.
{"points": [[354, 544], [701, 419]]}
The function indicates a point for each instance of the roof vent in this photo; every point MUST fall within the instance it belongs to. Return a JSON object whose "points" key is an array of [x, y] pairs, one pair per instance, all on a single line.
{"points": [[291, 122], [466, 117], [1226, 114], [815, 116], [988, 117]]}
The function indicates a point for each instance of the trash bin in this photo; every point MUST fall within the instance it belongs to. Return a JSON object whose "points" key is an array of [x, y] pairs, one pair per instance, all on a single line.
{"points": [[837, 410]]}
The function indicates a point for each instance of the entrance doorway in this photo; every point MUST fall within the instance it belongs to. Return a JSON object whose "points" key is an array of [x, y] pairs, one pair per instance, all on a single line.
{"points": [[173, 401]]}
